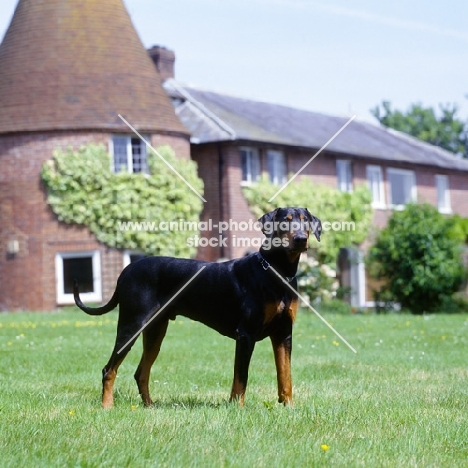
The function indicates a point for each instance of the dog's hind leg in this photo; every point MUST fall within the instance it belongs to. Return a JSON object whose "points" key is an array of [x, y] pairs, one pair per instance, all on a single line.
{"points": [[109, 373], [152, 339], [123, 344]]}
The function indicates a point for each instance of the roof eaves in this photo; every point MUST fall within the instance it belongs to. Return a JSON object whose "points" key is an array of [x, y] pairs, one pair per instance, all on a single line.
{"points": [[211, 131], [171, 83]]}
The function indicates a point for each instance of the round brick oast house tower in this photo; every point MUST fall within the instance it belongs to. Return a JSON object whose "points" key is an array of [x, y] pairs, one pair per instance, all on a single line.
{"points": [[67, 70]]}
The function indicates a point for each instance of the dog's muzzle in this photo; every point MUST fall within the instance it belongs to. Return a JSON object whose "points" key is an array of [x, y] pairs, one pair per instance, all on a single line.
{"points": [[300, 242]]}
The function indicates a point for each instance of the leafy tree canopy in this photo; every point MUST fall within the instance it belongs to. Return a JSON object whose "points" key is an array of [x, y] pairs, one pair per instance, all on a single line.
{"points": [[446, 130], [82, 189]]}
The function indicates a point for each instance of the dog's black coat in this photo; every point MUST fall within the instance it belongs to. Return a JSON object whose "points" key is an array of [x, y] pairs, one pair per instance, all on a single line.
{"points": [[242, 299]]}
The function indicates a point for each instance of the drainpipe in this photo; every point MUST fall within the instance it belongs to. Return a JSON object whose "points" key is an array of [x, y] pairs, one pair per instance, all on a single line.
{"points": [[222, 251]]}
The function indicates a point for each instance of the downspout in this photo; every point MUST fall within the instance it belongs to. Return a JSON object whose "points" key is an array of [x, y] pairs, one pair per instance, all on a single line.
{"points": [[222, 250]]}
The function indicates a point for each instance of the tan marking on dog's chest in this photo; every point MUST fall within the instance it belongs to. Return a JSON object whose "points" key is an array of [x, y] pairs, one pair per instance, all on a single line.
{"points": [[272, 309]]}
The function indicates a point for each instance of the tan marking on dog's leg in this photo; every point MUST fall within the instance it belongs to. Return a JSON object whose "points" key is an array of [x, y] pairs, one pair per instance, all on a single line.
{"points": [[282, 352], [152, 339], [108, 379], [238, 392], [109, 373], [244, 349], [107, 389]]}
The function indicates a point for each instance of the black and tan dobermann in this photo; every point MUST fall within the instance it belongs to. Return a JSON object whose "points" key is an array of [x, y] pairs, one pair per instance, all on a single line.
{"points": [[243, 299]]}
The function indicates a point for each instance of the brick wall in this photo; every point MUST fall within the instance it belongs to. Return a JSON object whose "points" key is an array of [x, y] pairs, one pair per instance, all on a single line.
{"points": [[210, 162], [180, 144], [28, 279]]}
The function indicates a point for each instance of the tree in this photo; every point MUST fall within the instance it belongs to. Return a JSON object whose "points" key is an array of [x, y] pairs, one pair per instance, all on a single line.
{"points": [[445, 130], [417, 257]]}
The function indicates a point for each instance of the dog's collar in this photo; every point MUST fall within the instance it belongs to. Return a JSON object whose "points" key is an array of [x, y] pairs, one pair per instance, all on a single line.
{"points": [[266, 265]]}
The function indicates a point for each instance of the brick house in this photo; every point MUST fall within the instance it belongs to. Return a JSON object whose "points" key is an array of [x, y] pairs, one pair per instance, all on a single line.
{"points": [[67, 69], [64, 84], [234, 140]]}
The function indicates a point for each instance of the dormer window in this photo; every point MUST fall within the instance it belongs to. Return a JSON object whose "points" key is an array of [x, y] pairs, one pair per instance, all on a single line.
{"points": [[129, 154]]}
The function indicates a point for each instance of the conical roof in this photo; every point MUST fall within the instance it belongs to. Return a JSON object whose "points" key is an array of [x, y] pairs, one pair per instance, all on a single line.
{"points": [[77, 64]]}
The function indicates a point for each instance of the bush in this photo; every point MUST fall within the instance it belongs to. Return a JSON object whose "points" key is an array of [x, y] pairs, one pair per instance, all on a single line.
{"points": [[316, 282], [418, 258]]}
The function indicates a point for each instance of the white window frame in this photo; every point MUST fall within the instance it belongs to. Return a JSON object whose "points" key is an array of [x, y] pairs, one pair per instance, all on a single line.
{"points": [[276, 165], [376, 186], [129, 149], [413, 191], [344, 175], [253, 168], [96, 295], [127, 256], [443, 194]]}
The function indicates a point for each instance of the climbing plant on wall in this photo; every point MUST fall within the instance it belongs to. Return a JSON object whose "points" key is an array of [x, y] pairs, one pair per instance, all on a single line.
{"points": [[82, 189], [345, 216]]}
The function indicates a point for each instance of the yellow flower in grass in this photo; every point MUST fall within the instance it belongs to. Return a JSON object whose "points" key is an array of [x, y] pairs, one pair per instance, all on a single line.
{"points": [[325, 447]]}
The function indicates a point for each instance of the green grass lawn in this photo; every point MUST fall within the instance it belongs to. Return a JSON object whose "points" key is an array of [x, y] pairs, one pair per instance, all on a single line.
{"points": [[401, 401]]}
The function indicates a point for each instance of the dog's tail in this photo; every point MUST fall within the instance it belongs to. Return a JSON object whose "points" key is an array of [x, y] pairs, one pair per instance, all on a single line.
{"points": [[112, 304]]}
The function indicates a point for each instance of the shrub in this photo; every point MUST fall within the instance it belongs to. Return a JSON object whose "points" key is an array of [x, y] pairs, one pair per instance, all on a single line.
{"points": [[418, 258], [460, 228], [315, 281]]}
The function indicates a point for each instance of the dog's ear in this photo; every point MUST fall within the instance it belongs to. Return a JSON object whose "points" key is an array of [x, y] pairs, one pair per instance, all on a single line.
{"points": [[267, 222], [315, 224]]}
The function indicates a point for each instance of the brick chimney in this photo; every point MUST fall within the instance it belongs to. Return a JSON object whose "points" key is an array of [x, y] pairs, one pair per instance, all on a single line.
{"points": [[164, 59]]}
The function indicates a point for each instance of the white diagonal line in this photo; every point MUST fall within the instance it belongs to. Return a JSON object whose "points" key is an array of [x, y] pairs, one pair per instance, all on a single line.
{"points": [[161, 309], [312, 158], [306, 302], [172, 168]]}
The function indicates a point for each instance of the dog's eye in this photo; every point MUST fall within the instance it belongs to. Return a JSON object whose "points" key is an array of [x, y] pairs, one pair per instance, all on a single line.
{"points": [[285, 225]]}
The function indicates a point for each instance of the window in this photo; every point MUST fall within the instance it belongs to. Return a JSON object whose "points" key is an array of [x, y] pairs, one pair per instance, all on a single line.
{"points": [[443, 194], [276, 164], [85, 267], [401, 187], [344, 175], [130, 256], [375, 182], [250, 160], [129, 154]]}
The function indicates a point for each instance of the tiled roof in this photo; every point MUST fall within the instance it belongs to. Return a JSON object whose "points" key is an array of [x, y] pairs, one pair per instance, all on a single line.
{"points": [[77, 64], [212, 116]]}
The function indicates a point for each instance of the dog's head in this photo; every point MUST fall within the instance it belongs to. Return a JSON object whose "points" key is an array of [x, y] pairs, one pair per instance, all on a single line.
{"points": [[291, 227]]}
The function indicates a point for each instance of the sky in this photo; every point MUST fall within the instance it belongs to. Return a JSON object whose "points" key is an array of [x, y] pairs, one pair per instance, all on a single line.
{"points": [[341, 57]]}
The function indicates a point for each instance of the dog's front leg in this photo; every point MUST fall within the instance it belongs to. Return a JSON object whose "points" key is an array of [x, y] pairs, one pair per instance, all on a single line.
{"points": [[282, 346], [244, 349]]}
